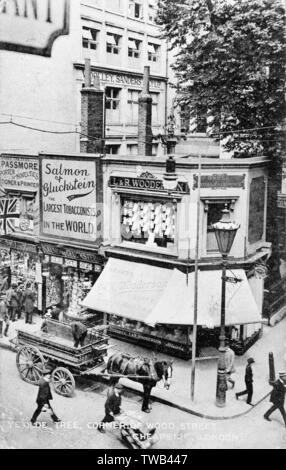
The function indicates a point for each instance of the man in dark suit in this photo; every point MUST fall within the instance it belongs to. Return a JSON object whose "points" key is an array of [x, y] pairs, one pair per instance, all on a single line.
{"points": [[43, 398], [248, 382], [277, 397], [112, 406]]}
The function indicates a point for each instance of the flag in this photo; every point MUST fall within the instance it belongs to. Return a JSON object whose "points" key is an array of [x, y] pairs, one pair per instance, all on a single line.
{"points": [[9, 215]]}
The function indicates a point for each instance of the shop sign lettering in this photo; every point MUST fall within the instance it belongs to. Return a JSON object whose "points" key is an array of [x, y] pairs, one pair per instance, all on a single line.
{"points": [[220, 181], [19, 173], [145, 184], [124, 79], [32, 26], [68, 199]]}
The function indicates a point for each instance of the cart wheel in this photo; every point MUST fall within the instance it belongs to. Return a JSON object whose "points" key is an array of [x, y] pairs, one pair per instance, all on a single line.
{"points": [[63, 381], [30, 364]]}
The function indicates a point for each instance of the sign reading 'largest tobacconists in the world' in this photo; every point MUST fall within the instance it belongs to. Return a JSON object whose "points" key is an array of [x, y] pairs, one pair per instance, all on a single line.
{"points": [[68, 199]]}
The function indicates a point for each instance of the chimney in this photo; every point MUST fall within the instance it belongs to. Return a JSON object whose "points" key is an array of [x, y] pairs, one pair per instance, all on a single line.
{"points": [[92, 114], [145, 117]]}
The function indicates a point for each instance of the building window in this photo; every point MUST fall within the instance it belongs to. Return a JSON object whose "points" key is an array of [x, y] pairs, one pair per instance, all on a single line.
{"points": [[112, 98], [155, 106], [213, 209], [133, 96], [151, 11], [153, 52], [135, 9], [89, 38], [112, 43], [134, 46], [148, 223], [112, 149], [132, 149]]}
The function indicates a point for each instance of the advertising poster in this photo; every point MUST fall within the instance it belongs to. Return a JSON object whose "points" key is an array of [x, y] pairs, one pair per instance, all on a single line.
{"points": [[68, 199]]}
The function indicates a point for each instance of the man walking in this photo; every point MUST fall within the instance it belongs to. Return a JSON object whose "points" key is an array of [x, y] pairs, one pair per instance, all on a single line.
{"points": [[277, 397], [12, 301], [112, 406], [229, 364], [248, 382], [28, 303], [4, 317], [43, 398]]}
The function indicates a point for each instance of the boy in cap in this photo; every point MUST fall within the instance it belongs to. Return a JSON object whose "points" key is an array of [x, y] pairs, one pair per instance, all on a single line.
{"points": [[43, 398], [248, 382], [112, 406], [277, 397]]}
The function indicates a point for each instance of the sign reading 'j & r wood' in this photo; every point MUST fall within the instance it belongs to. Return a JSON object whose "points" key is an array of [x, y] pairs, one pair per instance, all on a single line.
{"points": [[69, 209], [32, 26], [145, 182]]}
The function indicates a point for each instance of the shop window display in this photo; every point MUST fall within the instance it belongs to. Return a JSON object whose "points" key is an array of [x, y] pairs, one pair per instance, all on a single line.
{"points": [[149, 223]]}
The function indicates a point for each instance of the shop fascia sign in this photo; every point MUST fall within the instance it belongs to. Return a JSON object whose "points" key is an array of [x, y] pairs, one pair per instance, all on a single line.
{"points": [[19, 172], [116, 78], [146, 181], [32, 26]]}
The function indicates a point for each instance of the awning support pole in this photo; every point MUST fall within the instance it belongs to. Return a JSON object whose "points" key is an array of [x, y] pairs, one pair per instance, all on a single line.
{"points": [[194, 342]]}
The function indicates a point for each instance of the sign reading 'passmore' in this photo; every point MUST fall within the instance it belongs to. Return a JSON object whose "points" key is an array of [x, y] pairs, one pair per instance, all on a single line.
{"points": [[32, 26]]}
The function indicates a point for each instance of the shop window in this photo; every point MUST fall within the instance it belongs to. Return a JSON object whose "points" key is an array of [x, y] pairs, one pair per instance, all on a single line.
{"points": [[148, 223], [112, 149], [113, 43], [134, 47], [132, 149], [89, 38], [213, 215], [155, 106], [153, 52], [135, 9], [133, 96]]}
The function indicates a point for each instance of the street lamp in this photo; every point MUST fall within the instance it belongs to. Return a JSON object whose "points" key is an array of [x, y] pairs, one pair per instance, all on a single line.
{"points": [[225, 231]]}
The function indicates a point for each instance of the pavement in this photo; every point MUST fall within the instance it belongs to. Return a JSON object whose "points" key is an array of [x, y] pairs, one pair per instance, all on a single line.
{"points": [[179, 394]]}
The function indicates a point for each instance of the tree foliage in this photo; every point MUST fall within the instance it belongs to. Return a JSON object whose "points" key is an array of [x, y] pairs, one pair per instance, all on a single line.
{"points": [[230, 60]]}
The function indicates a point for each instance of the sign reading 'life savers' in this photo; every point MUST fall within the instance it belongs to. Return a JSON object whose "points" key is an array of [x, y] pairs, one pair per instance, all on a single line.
{"points": [[32, 26], [68, 199]]}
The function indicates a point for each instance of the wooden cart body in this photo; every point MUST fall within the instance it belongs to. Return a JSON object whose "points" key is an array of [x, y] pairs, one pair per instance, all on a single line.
{"points": [[55, 349]]}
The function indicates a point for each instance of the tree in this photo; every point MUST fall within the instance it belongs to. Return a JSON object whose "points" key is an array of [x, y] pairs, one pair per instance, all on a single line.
{"points": [[230, 60]]}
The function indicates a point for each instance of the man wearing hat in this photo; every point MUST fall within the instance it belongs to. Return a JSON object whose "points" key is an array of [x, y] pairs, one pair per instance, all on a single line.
{"points": [[43, 398], [277, 397], [112, 406], [4, 317], [12, 301], [248, 382]]}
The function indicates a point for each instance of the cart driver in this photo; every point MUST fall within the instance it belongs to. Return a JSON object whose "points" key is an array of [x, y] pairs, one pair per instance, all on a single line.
{"points": [[79, 332]]}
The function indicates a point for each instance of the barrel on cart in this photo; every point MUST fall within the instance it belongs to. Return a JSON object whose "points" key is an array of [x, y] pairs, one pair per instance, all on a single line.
{"points": [[55, 349]]}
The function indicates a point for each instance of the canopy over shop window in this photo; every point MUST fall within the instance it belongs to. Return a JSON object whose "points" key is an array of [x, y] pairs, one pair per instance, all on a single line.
{"points": [[128, 289], [176, 305]]}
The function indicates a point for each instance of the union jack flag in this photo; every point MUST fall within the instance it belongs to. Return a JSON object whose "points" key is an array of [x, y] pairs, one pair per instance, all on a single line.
{"points": [[9, 214]]}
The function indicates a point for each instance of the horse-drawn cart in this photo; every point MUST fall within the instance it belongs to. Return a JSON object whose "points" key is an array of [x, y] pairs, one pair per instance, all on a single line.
{"points": [[55, 349]]}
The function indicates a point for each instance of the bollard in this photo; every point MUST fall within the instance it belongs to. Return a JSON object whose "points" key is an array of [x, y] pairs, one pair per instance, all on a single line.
{"points": [[271, 368]]}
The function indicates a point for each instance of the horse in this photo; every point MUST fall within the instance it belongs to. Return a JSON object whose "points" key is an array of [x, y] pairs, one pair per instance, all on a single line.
{"points": [[149, 372]]}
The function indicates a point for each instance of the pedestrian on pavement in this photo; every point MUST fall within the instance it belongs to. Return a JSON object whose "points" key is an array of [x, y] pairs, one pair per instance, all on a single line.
{"points": [[248, 382], [277, 397], [4, 316], [79, 332], [28, 301], [43, 398], [12, 301], [20, 294], [229, 364], [112, 406], [55, 312]]}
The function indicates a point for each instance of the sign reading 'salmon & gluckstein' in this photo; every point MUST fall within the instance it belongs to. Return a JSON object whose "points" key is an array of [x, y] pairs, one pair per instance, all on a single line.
{"points": [[32, 26]]}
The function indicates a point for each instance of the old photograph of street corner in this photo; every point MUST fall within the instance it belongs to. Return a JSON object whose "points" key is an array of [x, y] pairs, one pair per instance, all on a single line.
{"points": [[142, 227]]}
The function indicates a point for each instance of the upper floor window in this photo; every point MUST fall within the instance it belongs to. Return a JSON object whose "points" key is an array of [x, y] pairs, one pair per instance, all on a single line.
{"points": [[112, 149], [153, 52], [112, 98], [89, 37], [113, 43], [151, 10], [155, 106], [133, 96], [135, 9], [134, 46]]}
